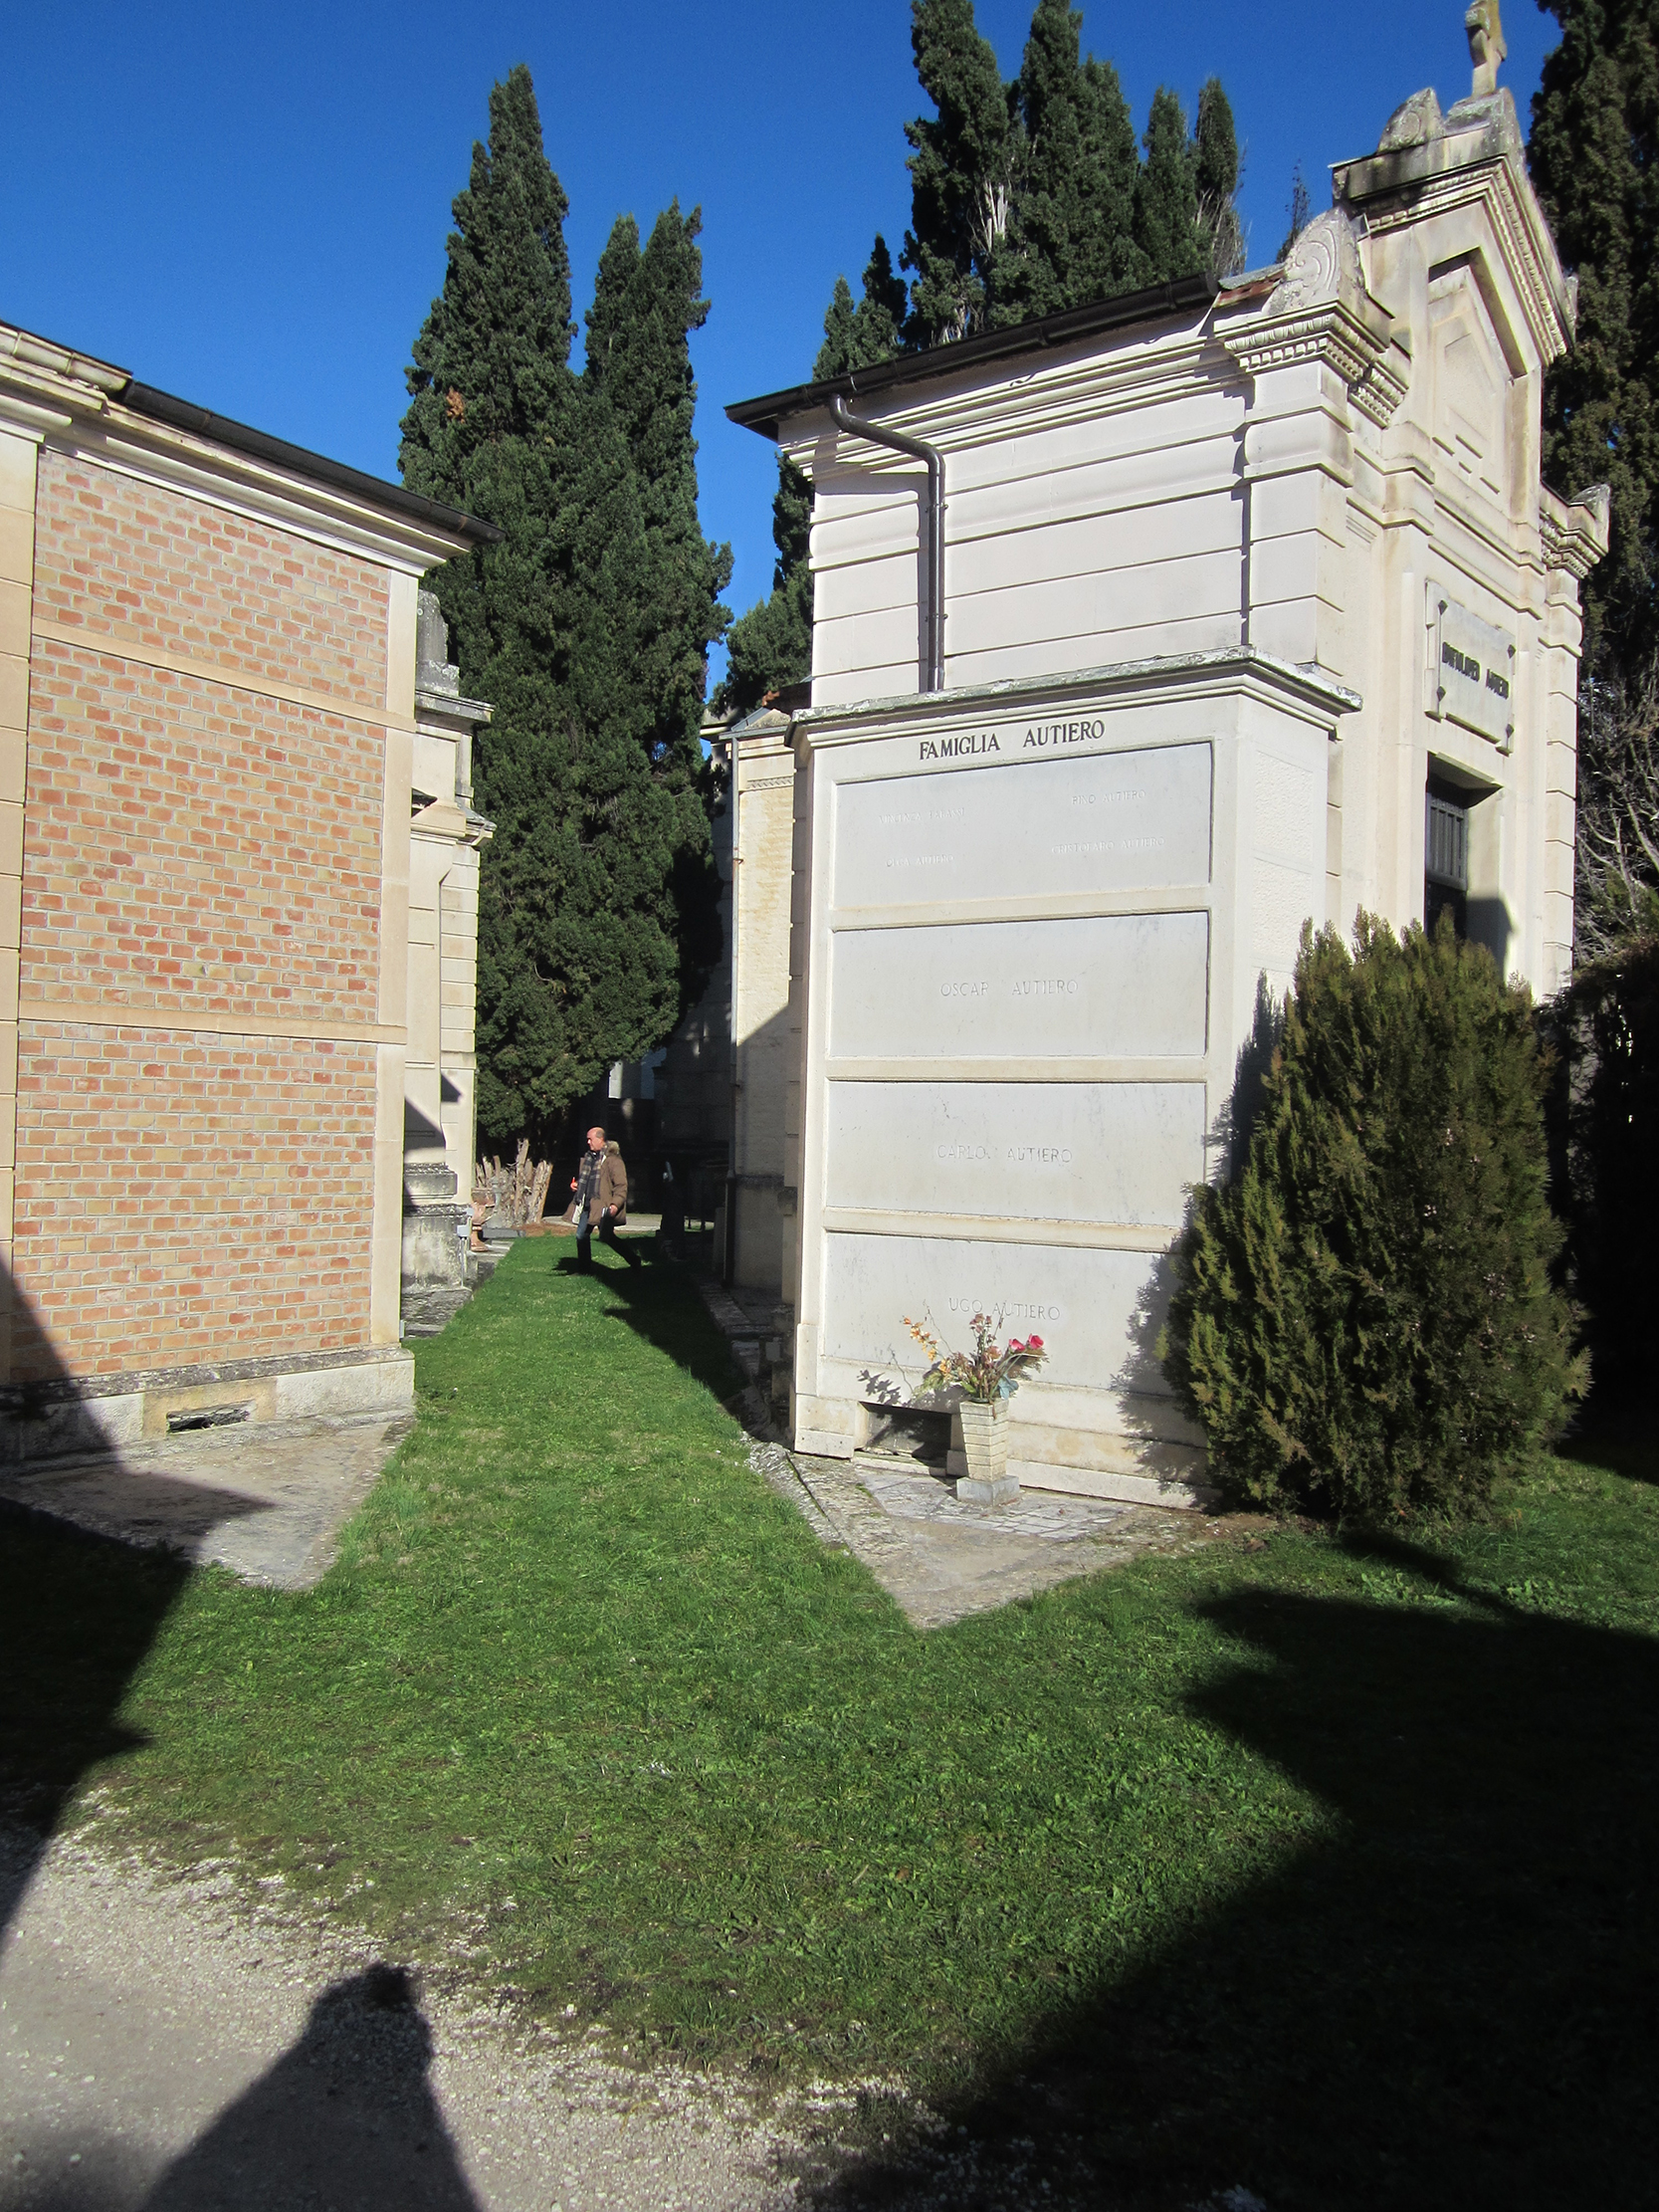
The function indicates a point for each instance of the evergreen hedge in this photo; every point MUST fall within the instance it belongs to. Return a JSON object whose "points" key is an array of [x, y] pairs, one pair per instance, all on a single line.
{"points": [[1363, 1320], [1606, 1030]]}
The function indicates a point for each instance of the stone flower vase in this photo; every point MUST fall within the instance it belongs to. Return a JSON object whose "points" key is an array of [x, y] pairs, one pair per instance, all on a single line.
{"points": [[985, 1451]]}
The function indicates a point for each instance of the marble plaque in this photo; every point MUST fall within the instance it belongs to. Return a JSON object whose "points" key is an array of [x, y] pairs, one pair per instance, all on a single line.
{"points": [[1105, 822], [1473, 679], [1115, 986], [1118, 1153], [1098, 1312]]}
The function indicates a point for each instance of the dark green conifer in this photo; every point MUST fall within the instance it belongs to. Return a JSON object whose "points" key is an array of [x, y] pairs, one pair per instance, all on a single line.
{"points": [[770, 647], [1070, 232], [1167, 196], [646, 305], [1215, 176], [1106, 259], [1364, 1318], [1594, 155], [567, 626], [961, 172]]}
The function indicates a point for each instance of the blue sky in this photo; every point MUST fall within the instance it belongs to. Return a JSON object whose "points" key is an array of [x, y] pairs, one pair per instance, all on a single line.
{"points": [[248, 206]]}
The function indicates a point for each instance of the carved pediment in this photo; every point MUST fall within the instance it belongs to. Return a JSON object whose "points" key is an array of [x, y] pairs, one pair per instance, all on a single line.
{"points": [[1471, 384]]}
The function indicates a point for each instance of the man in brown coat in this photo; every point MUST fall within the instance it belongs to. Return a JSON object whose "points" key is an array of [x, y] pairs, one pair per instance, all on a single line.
{"points": [[601, 1200]]}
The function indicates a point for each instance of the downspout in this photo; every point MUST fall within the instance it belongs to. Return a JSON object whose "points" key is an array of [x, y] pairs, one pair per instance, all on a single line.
{"points": [[901, 442], [729, 1254]]}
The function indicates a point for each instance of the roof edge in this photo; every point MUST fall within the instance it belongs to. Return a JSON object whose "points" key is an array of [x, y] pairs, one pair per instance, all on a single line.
{"points": [[1306, 680], [258, 445], [765, 414]]}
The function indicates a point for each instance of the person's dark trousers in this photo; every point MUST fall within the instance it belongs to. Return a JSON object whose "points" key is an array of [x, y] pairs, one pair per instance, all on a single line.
{"points": [[607, 1231], [584, 1248]]}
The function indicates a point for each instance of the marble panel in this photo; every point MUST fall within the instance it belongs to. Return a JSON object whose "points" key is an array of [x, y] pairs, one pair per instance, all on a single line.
{"points": [[1050, 1152], [1105, 821], [1098, 1312], [1116, 985]]}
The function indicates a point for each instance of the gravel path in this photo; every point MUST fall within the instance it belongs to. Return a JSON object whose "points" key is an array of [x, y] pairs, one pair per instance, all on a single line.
{"points": [[165, 2045]]}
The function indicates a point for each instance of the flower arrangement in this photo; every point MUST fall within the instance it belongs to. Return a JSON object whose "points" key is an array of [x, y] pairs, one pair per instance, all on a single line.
{"points": [[991, 1371]]}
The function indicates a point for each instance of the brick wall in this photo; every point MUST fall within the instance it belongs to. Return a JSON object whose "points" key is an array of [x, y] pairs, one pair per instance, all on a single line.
{"points": [[193, 848], [194, 853], [114, 556], [185, 1198]]}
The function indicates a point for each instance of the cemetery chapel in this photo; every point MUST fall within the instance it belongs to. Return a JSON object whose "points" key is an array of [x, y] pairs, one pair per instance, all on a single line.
{"points": [[1143, 635]]}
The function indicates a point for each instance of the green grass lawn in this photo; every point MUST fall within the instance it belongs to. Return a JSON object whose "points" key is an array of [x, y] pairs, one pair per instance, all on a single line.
{"points": [[1317, 1863]]}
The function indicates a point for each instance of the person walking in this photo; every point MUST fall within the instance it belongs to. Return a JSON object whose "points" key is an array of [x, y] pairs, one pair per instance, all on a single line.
{"points": [[601, 1200]]}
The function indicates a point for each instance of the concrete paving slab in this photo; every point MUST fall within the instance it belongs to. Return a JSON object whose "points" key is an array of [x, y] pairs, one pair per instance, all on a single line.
{"points": [[267, 1499], [943, 1561]]}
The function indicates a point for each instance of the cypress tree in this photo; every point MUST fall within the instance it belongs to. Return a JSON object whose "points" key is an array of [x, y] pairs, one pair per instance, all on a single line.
{"points": [[491, 385], [1363, 1320], [961, 172], [770, 646], [1215, 176], [1106, 258], [567, 627], [1594, 155], [646, 305], [1070, 233], [1167, 196]]}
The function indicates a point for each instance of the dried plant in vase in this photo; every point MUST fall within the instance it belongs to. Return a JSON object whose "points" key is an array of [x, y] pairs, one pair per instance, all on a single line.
{"points": [[987, 1378]]}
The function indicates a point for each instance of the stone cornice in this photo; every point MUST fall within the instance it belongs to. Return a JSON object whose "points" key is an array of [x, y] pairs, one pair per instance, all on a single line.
{"points": [[1510, 207], [1225, 668], [1575, 533], [1051, 395], [71, 404], [1333, 334], [1320, 311]]}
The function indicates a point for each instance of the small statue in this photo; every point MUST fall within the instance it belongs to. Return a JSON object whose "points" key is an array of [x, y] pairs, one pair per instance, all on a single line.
{"points": [[1487, 46]]}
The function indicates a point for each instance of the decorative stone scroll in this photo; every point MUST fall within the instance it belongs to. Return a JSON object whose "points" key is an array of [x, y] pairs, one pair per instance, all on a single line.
{"points": [[1320, 311]]}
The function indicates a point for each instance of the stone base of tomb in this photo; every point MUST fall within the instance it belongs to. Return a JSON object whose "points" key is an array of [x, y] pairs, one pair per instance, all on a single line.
{"points": [[75, 1415], [1133, 1465]]}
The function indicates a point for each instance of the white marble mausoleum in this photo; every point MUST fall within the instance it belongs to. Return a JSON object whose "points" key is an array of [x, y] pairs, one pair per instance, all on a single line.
{"points": [[1144, 635]]}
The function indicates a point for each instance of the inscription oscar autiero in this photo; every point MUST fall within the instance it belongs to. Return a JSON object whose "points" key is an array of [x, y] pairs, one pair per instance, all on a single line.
{"points": [[1022, 987]]}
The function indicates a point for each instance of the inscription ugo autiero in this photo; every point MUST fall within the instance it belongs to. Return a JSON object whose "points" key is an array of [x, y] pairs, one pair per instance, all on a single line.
{"points": [[1006, 1309]]}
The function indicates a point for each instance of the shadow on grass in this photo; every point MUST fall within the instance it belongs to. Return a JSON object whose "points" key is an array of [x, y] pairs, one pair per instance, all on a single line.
{"points": [[659, 1302], [1619, 1432], [78, 1613], [1452, 2005]]}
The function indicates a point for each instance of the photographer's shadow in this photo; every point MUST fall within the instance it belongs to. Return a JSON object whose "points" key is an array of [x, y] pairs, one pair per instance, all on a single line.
{"points": [[347, 2117]]}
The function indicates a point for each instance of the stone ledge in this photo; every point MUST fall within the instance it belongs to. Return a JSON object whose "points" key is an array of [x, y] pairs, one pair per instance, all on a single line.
{"points": [[103, 1412]]}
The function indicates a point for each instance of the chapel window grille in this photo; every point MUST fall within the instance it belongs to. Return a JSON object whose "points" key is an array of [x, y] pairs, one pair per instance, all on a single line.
{"points": [[1446, 860]]}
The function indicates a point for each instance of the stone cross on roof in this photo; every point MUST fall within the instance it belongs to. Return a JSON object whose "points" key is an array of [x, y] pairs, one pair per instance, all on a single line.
{"points": [[1487, 46]]}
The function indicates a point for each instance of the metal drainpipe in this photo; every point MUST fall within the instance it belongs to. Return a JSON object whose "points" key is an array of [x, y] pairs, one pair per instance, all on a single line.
{"points": [[729, 1256], [901, 442]]}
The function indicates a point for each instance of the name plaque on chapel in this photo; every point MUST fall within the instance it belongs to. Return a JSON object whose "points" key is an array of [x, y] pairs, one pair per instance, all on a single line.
{"points": [[1472, 671], [1016, 819]]}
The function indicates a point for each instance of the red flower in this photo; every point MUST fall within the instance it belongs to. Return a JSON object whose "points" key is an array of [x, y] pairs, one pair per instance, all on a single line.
{"points": [[1034, 1343]]}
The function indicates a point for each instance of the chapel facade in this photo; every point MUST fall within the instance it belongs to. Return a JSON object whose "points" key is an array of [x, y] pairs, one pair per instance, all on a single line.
{"points": [[1144, 636]]}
